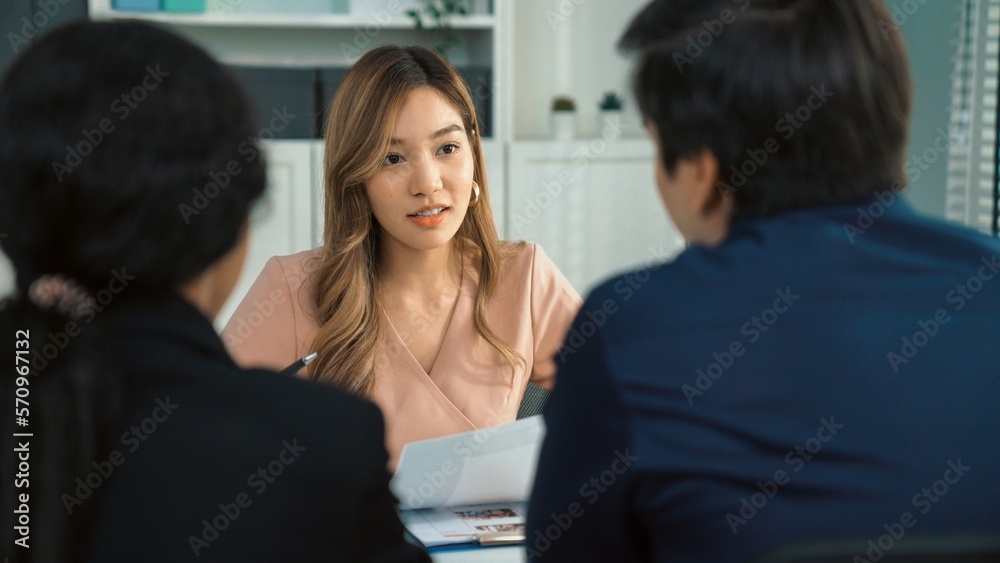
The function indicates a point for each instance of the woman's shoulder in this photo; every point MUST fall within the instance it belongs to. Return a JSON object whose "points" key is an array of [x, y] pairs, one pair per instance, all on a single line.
{"points": [[293, 271], [527, 263], [525, 257], [517, 263], [514, 252], [280, 295], [295, 266]]}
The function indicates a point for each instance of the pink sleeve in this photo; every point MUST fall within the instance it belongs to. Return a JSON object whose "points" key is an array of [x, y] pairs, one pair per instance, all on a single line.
{"points": [[261, 332], [554, 304]]}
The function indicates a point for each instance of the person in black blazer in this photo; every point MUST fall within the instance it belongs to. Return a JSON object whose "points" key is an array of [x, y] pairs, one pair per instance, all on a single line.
{"points": [[821, 362], [242, 466], [128, 171]]}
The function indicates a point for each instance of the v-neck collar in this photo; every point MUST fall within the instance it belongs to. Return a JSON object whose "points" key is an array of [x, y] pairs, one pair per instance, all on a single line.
{"points": [[463, 310]]}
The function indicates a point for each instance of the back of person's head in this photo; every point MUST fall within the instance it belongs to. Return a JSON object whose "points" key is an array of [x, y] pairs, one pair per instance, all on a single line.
{"points": [[802, 102], [118, 146]]}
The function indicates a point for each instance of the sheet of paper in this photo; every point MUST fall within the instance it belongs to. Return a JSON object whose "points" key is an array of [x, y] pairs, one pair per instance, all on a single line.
{"points": [[490, 465]]}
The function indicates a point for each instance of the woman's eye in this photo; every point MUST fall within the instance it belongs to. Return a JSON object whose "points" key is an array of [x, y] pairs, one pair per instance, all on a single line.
{"points": [[448, 149], [392, 159]]}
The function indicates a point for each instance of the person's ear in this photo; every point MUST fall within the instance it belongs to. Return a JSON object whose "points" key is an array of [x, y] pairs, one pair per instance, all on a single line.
{"points": [[702, 184], [697, 176]]}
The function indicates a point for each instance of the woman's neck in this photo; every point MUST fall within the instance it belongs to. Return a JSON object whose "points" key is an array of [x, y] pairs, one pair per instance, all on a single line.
{"points": [[421, 273]]}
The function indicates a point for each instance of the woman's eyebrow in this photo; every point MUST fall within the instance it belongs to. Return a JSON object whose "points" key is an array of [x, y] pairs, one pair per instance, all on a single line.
{"points": [[440, 132]]}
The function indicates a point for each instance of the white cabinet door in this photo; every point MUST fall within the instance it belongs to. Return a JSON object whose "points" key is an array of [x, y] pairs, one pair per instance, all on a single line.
{"points": [[318, 193], [496, 165], [592, 205], [284, 222]]}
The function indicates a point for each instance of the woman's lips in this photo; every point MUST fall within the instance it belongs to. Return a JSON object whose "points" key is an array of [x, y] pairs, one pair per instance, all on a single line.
{"points": [[432, 220]]}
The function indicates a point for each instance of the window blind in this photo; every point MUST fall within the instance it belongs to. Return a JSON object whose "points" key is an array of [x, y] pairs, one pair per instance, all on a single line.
{"points": [[971, 190]]}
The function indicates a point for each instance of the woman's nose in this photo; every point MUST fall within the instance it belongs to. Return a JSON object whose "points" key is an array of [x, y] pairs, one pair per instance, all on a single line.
{"points": [[427, 178]]}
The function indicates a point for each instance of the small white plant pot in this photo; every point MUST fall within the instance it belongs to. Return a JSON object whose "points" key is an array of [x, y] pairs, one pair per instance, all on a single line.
{"points": [[563, 125], [609, 123]]}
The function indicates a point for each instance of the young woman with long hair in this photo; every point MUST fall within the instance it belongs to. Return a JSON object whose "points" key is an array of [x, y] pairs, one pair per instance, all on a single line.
{"points": [[412, 300]]}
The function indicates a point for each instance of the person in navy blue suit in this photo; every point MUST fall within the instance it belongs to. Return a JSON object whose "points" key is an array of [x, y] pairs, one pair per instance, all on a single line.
{"points": [[821, 361]]}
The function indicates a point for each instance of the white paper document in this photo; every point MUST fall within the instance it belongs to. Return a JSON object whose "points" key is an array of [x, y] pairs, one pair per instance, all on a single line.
{"points": [[464, 487]]}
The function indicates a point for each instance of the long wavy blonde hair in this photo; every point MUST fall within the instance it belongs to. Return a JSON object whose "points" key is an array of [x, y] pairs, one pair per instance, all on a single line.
{"points": [[345, 284]]}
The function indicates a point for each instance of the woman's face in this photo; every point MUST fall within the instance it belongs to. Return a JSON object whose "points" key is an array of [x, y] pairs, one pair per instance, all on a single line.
{"points": [[421, 193]]}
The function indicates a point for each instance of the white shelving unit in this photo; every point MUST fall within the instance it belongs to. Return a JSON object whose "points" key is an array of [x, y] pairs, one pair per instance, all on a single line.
{"points": [[277, 38], [390, 13], [102, 9]]}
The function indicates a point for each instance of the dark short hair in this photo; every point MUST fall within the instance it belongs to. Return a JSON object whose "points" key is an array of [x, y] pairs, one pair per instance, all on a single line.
{"points": [[803, 102], [108, 131]]}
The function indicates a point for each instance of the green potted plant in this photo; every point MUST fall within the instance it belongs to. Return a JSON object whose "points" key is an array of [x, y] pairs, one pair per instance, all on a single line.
{"points": [[438, 15], [609, 118], [563, 119]]}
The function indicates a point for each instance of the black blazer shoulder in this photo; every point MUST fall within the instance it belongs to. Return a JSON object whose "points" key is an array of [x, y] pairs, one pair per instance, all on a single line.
{"points": [[220, 463]]}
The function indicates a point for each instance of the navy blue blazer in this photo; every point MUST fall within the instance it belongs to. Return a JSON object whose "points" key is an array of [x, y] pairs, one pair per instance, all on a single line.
{"points": [[825, 373], [210, 462]]}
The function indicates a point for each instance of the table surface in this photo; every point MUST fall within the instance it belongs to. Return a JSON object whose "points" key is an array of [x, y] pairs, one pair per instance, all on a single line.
{"points": [[505, 554]]}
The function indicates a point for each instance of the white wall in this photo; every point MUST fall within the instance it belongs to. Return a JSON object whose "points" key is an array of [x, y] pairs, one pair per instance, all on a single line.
{"points": [[931, 34], [569, 47]]}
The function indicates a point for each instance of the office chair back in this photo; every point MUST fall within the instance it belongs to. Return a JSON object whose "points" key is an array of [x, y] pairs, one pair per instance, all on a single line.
{"points": [[533, 401]]}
